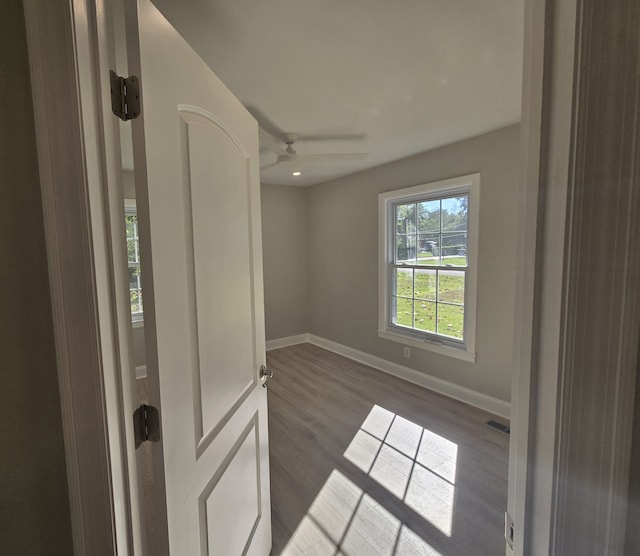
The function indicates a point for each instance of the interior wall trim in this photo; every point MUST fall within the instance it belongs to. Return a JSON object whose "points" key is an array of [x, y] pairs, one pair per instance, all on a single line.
{"points": [[52, 32], [599, 346], [446, 388], [287, 341]]}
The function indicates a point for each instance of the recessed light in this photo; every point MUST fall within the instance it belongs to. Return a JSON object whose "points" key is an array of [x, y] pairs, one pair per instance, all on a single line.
{"points": [[297, 173]]}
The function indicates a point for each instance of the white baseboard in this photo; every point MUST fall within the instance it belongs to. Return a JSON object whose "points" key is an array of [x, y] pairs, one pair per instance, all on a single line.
{"points": [[460, 393], [287, 341]]}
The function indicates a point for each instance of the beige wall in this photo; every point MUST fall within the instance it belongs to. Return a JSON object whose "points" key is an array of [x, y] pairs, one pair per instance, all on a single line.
{"points": [[128, 184], [285, 239], [34, 506], [343, 258]]}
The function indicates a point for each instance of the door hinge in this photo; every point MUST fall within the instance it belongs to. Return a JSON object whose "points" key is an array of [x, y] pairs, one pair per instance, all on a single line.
{"points": [[146, 424], [125, 96], [508, 529]]}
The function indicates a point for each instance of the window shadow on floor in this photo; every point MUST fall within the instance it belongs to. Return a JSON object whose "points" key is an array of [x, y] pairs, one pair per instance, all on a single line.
{"points": [[364, 463]]}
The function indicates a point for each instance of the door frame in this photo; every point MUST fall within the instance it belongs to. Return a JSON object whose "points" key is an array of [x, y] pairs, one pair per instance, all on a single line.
{"points": [[76, 161], [78, 155], [576, 354]]}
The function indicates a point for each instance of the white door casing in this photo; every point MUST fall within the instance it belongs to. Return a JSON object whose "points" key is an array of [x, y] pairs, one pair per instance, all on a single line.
{"points": [[577, 356], [197, 188]]}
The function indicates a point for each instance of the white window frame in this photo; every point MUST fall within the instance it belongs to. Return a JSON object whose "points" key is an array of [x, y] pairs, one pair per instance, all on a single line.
{"points": [[465, 349], [130, 207]]}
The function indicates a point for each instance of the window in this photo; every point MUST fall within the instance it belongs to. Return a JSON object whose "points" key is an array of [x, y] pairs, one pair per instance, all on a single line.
{"points": [[133, 257], [428, 259]]}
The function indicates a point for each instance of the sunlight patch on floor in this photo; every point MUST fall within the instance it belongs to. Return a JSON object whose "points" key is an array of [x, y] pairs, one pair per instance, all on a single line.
{"points": [[343, 520], [415, 464], [335, 505]]}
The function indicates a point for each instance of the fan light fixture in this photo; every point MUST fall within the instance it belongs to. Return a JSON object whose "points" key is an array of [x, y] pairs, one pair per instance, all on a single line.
{"points": [[296, 173]]}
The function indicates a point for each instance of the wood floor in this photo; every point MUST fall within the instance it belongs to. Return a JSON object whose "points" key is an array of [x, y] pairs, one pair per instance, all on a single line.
{"points": [[363, 463]]}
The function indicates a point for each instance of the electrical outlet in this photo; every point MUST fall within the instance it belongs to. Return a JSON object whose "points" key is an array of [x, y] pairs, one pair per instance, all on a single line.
{"points": [[407, 352]]}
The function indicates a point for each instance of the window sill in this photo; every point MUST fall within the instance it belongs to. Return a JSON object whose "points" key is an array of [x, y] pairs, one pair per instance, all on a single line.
{"points": [[139, 323], [457, 353]]}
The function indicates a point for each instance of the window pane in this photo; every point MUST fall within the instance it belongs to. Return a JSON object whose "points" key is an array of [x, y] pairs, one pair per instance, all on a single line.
{"points": [[429, 216], [406, 219], [454, 249], [130, 221], [425, 315], [405, 222], [451, 320], [132, 251], [136, 301], [451, 286], [425, 284], [429, 249], [406, 249], [133, 256], [403, 282], [134, 276], [404, 312], [454, 213]]}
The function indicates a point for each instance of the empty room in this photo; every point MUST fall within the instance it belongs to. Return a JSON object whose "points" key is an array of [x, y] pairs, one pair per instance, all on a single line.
{"points": [[374, 461], [389, 142], [342, 278]]}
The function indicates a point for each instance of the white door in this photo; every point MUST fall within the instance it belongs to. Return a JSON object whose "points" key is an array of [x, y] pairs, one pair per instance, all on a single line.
{"points": [[197, 182]]}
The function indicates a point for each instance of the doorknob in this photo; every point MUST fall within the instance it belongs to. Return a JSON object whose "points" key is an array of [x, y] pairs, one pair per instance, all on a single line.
{"points": [[265, 375]]}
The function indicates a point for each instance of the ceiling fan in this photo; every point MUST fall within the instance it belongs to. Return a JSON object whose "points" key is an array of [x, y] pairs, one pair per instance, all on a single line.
{"points": [[290, 157]]}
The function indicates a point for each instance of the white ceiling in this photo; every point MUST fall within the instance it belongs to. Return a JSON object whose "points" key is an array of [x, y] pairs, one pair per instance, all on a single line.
{"points": [[391, 78]]}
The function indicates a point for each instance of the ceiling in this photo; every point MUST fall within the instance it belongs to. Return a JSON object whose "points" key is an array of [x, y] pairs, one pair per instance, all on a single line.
{"points": [[388, 78]]}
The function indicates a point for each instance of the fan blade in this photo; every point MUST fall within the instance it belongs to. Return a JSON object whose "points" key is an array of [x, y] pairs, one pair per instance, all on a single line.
{"points": [[332, 137], [331, 157], [270, 142], [299, 159], [267, 166]]}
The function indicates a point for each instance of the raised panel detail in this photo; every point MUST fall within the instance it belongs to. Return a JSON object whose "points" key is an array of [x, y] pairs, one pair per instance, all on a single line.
{"points": [[218, 246], [234, 491]]}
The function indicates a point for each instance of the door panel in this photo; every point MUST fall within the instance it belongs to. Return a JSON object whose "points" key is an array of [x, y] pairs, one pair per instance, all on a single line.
{"points": [[220, 502], [197, 186], [218, 246]]}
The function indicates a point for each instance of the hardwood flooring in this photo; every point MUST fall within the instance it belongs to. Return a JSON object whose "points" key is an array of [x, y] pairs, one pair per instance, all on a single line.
{"points": [[364, 463]]}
